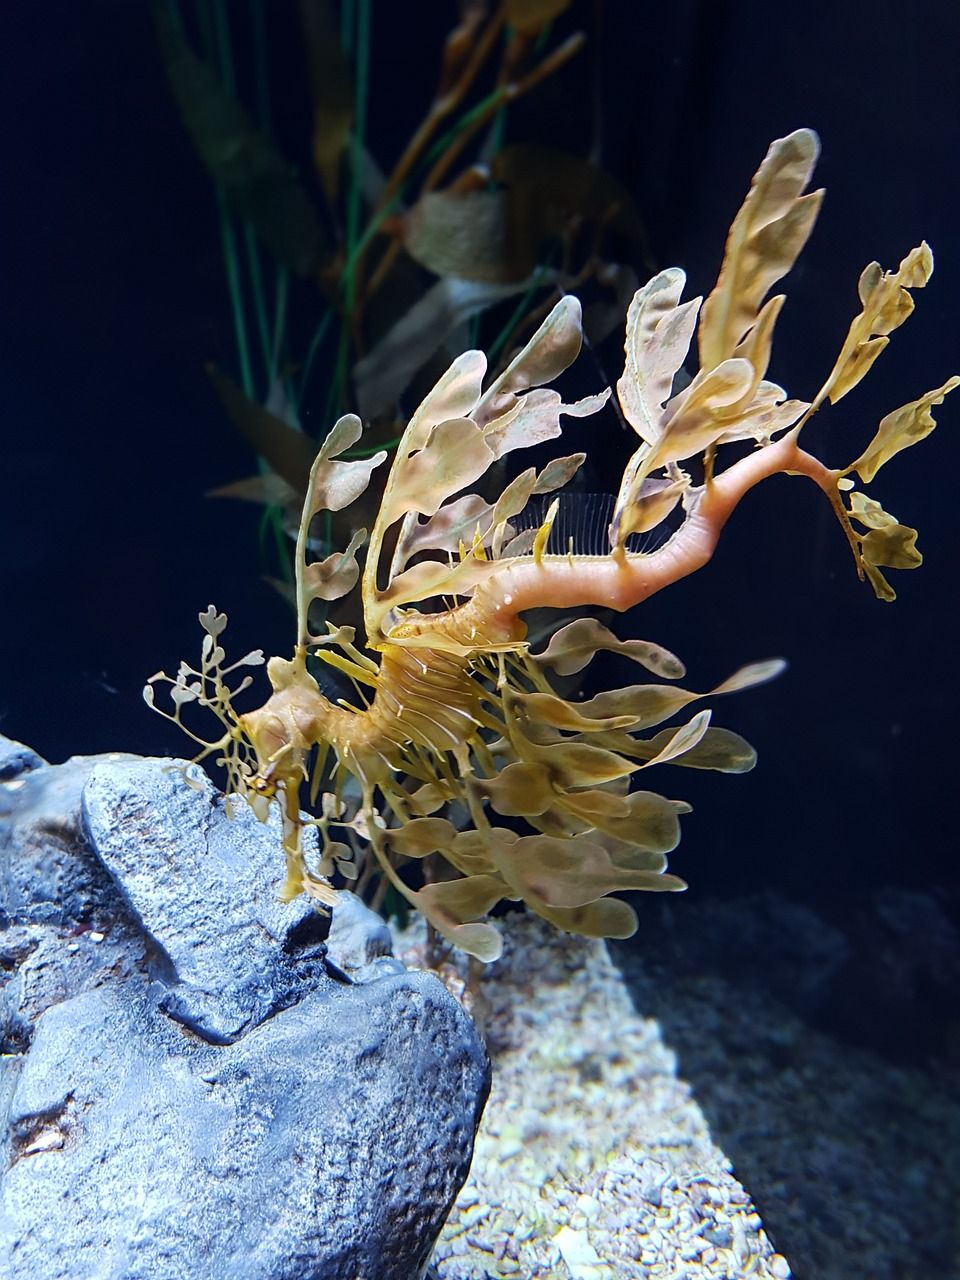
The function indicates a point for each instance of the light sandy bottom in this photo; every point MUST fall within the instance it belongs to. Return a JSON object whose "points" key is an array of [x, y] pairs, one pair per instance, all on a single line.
{"points": [[593, 1160]]}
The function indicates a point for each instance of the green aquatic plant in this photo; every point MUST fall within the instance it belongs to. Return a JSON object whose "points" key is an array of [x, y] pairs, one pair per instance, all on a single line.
{"points": [[457, 724], [355, 276]]}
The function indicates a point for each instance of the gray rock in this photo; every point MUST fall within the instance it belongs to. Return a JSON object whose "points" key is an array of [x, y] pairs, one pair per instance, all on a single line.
{"points": [[202, 886], [360, 943], [297, 1150], [15, 759], [191, 1088]]}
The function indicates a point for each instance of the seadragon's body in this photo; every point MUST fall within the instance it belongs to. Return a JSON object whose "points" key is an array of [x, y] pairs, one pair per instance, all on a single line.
{"points": [[455, 714]]}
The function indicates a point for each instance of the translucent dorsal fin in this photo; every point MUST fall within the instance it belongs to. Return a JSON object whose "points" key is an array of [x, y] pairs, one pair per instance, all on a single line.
{"points": [[580, 526]]}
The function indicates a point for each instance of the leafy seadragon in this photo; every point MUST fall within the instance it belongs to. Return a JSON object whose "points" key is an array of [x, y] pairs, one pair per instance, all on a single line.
{"points": [[460, 715]]}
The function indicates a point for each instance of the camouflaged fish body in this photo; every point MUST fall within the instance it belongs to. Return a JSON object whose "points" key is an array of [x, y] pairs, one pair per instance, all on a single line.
{"points": [[455, 717]]}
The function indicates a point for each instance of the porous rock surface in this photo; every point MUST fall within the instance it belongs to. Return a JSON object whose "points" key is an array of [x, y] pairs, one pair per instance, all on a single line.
{"points": [[194, 1083]]}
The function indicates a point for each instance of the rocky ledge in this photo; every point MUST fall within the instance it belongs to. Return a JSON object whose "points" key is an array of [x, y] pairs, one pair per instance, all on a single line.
{"points": [[198, 1080]]}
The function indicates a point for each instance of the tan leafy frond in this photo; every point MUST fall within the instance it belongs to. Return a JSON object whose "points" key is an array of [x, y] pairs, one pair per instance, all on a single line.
{"points": [[576, 764], [900, 429], [554, 346], [608, 918], [433, 578], [551, 872], [643, 820], [758, 341], [574, 646], [337, 484], [894, 547], [521, 789], [642, 504], [693, 421], [749, 676], [719, 749], [535, 418], [694, 417], [455, 522], [454, 908], [886, 543], [421, 836], [331, 487], [766, 236], [335, 575], [767, 413], [658, 336], [548, 708], [454, 455], [881, 587], [514, 497], [682, 741], [558, 473], [886, 303], [868, 512]]}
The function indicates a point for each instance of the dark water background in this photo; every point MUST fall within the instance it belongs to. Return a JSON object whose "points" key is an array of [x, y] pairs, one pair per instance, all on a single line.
{"points": [[113, 297]]}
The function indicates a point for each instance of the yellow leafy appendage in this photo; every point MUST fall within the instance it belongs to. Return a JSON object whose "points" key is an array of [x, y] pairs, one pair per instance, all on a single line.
{"points": [[456, 716]]}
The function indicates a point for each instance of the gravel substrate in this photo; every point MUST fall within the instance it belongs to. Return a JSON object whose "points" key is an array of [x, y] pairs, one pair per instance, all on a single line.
{"points": [[593, 1161], [853, 1157]]}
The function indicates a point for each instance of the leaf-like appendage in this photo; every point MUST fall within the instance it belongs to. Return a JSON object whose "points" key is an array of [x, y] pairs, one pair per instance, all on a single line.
{"points": [[453, 456], [421, 836], [886, 303], [765, 238], [607, 918], [646, 705], [658, 337], [886, 543], [558, 473], [900, 429], [211, 621], [454, 523], [695, 416], [718, 749], [331, 487], [683, 740], [550, 872], [450, 442], [455, 908], [554, 346], [574, 646], [641, 833], [553, 710], [335, 575], [535, 418], [521, 789], [767, 413]]}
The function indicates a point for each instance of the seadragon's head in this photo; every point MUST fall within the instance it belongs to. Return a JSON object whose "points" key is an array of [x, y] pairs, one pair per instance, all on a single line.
{"points": [[458, 744]]}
